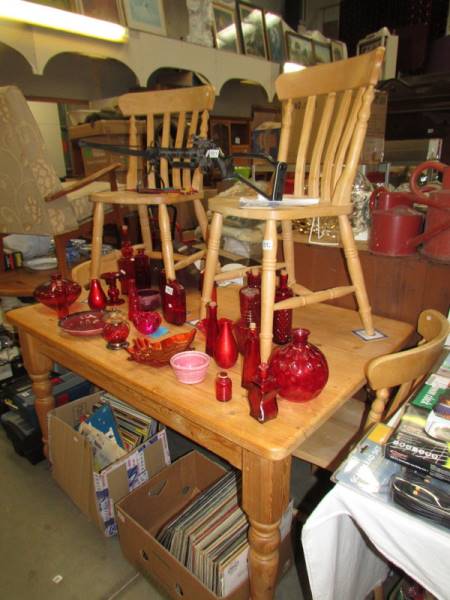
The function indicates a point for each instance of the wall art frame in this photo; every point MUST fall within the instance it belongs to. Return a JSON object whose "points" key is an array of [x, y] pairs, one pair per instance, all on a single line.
{"points": [[299, 49], [276, 44], [253, 32], [145, 15], [225, 27]]}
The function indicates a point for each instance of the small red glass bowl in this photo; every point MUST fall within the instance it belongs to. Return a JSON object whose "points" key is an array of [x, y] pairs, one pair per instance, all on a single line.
{"points": [[84, 323], [146, 322], [149, 299], [158, 354], [191, 366]]}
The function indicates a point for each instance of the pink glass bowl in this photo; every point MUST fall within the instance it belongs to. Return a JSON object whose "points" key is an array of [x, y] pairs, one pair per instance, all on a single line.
{"points": [[146, 322], [191, 366], [158, 354]]}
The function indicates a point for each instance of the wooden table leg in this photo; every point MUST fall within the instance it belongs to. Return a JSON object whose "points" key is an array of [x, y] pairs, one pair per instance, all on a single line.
{"points": [[38, 367], [265, 496]]}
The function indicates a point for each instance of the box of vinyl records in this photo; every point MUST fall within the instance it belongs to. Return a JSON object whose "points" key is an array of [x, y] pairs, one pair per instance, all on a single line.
{"points": [[185, 531], [74, 467]]}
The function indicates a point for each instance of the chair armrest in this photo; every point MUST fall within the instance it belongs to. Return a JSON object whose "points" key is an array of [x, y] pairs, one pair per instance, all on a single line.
{"points": [[87, 180]]}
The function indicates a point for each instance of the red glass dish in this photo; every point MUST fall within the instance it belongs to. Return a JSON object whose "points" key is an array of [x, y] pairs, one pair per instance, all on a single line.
{"points": [[84, 323], [158, 354]]}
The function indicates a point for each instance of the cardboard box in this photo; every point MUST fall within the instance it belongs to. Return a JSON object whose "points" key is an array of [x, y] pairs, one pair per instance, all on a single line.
{"points": [[96, 493], [141, 514]]}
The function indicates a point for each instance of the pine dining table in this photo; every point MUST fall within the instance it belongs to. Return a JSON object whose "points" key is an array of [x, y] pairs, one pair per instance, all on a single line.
{"points": [[261, 451]]}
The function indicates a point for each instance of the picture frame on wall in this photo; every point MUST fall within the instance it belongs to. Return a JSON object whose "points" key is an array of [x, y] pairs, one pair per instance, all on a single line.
{"points": [[382, 37], [253, 36], [106, 10], [322, 52], [145, 15], [338, 50], [275, 37], [299, 49], [225, 28]]}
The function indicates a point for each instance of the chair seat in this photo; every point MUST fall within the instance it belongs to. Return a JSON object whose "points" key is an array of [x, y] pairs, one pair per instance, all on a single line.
{"points": [[230, 207], [333, 438], [80, 200], [142, 199]]}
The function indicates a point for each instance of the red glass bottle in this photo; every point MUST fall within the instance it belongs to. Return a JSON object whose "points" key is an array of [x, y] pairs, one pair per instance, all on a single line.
{"points": [[224, 387], [252, 356], [300, 368], [282, 319], [262, 395], [116, 331], [97, 297], [226, 351], [133, 300], [250, 300], [142, 269], [211, 329], [174, 302], [125, 265]]}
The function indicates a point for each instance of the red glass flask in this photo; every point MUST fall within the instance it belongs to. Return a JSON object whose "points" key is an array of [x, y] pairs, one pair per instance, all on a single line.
{"points": [[142, 270], [97, 297], [211, 329], [300, 368], [252, 356], [116, 331], [225, 352], [224, 387], [262, 395], [282, 319], [174, 302], [126, 266]]}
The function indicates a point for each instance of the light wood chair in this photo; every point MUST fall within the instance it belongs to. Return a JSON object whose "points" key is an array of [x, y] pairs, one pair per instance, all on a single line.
{"points": [[325, 114], [185, 113], [329, 445]]}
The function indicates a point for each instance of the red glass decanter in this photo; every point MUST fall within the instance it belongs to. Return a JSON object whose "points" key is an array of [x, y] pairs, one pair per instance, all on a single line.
{"points": [[226, 351], [142, 270], [174, 302], [300, 368], [97, 297], [262, 395], [252, 356], [58, 294], [224, 387], [116, 330], [126, 265], [211, 329], [282, 319]]}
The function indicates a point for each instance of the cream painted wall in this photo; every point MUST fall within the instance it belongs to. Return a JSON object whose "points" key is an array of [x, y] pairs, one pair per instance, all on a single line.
{"points": [[46, 115]]}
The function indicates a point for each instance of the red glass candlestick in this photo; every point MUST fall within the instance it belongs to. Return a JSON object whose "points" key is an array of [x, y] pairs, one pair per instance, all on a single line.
{"points": [[262, 395], [133, 300], [282, 319], [211, 329], [126, 266], [225, 351], [174, 302], [252, 356], [110, 279], [224, 387], [142, 270], [300, 368], [116, 331], [96, 298]]}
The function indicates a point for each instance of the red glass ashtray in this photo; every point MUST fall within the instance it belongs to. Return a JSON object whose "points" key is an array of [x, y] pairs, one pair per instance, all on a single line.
{"points": [[84, 323], [158, 354]]}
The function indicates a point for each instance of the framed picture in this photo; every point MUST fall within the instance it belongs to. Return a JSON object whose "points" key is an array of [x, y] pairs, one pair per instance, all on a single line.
{"points": [[145, 15], [252, 30], [338, 50], [225, 27], [275, 37], [382, 37], [107, 10], [299, 49], [322, 52]]}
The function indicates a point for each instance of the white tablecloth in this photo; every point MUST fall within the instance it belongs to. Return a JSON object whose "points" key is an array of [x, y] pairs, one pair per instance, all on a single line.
{"points": [[349, 533]]}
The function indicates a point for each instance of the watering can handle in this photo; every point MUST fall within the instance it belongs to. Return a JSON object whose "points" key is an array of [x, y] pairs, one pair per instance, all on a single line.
{"points": [[373, 202], [428, 164]]}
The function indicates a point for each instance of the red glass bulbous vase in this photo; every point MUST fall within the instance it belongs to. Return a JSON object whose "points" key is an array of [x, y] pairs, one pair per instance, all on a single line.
{"points": [[300, 368]]}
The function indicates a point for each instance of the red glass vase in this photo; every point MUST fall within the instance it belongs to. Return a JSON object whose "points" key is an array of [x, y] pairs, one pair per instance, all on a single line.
{"points": [[300, 368], [97, 297], [282, 319], [211, 329], [225, 351], [142, 270], [58, 294], [262, 395], [133, 300], [116, 330], [252, 357], [125, 266], [174, 302], [250, 300]]}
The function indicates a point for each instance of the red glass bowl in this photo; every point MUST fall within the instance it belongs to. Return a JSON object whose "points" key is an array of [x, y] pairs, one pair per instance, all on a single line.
{"points": [[158, 354], [84, 323]]}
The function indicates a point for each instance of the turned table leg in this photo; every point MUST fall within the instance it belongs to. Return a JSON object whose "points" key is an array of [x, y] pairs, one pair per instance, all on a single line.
{"points": [[38, 367], [265, 496]]}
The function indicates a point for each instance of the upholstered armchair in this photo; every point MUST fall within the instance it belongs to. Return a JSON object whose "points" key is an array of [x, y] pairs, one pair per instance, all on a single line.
{"points": [[33, 201]]}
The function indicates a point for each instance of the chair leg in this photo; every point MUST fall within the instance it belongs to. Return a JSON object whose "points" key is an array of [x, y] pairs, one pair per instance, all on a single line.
{"points": [[166, 241], [288, 250], [144, 222], [97, 240], [212, 260], [201, 218], [268, 285], [356, 274]]}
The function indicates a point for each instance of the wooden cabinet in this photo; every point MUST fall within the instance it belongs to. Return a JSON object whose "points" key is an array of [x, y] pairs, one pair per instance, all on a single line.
{"points": [[232, 134]]}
